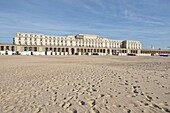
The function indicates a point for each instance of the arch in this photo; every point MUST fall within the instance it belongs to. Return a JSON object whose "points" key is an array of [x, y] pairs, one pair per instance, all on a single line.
{"points": [[85, 50], [78, 50], [2, 48], [66, 49], [88, 50], [94, 50], [6, 52], [59, 49], [51, 48], [46, 49], [62, 49], [81, 50], [17, 53], [35, 48], [72, 51], [104, 51], [13, 48], [55, 49], [91, 50]]}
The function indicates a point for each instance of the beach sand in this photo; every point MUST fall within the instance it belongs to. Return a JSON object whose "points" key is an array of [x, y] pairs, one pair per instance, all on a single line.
{"points": [[84, 84]]}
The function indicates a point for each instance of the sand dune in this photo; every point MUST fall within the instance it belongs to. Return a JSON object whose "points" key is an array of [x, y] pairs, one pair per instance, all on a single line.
{"points": [[84, 84]]}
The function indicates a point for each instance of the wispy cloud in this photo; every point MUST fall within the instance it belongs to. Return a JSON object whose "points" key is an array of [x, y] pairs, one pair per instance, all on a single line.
{"points": [[142, 18]]}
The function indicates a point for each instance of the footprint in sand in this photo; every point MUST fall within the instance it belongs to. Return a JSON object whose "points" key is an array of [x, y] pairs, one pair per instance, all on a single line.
{"points": [[92, 102], [72, 110], [117, 105], [127, 110], [82, 103], [94, 110], [65, 105], [160, 108]]}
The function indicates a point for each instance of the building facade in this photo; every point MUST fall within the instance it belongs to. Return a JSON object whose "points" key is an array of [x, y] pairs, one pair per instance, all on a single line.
{"points": [[81, 44]]}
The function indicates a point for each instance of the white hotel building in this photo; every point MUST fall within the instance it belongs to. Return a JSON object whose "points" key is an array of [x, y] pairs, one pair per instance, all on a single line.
{"points": [[81, 44]]}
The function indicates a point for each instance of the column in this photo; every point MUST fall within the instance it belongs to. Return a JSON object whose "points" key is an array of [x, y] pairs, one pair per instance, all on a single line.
{"points": [[69, 51], [75, 50]]}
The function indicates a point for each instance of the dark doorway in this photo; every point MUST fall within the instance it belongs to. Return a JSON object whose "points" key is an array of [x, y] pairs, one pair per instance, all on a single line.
{"points": [[6, 53], [17, 53], [46, 49], [13, 48], [72, 51], [45, 52], [2, 48], [35, 48], [108, 51]]}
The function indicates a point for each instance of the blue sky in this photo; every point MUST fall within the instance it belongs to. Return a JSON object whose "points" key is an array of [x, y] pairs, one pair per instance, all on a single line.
{"points": [[145, 20]]}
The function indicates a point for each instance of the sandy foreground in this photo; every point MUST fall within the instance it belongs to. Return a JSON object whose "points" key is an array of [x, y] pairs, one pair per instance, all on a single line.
{"points": [[84, 84]]}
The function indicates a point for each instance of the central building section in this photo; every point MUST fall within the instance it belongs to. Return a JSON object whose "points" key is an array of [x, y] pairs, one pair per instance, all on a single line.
{"points": [[86, 36]]}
